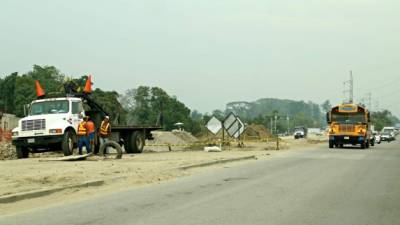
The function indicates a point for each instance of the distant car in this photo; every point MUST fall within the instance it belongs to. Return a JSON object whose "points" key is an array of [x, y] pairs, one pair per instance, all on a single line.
{"points": [[378, 138], [300, 132], [387, 136], [390, 130]]}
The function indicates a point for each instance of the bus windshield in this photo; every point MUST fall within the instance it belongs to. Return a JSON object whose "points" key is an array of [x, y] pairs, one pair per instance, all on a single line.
{"points": [[348, 117], [50, 107]]}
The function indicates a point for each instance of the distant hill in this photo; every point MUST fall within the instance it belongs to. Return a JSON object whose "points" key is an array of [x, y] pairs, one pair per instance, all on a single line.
{"points": [[261, 111]]}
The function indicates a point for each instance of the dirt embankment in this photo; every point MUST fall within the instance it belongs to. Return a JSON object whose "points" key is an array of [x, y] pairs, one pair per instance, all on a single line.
{"points": [[132, 170], [7, 151]]}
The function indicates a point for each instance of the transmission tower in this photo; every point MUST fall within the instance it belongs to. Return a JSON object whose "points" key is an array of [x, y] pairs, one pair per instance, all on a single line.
{"points": [[348, 89]]}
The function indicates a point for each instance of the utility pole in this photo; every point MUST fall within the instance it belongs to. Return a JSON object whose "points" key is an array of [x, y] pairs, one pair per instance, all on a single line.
{"points": [[288, 124], [376, 107], [369, 101], [272, 131], [348, 89]]}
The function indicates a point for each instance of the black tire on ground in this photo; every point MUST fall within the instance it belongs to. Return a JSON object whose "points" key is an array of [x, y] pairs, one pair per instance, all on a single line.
{"points": [[114, 145], [362, 146], [135, 143], [367, 144], [22, 152], [67, 144], [330, 145]]}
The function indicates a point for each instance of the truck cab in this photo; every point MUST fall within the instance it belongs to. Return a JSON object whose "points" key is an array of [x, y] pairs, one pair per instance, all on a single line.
{"points": [[49, 123], [300, 132]]}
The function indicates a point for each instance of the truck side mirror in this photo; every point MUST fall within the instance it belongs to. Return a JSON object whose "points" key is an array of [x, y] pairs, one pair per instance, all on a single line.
{"points": [[26, 109], [81, 115], [328, 118]]}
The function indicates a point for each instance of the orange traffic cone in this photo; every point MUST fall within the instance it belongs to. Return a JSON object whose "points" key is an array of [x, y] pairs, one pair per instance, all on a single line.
{"points": [[39, 90], [88, 85]]}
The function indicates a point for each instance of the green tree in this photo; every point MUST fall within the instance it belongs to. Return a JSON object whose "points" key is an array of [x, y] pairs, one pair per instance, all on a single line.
{"points": [[7, 93], [326, 106]]}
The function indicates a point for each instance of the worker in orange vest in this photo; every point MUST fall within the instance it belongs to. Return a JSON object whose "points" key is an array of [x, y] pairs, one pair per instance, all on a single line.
{"points": [[91, 129], [105, 131], [83, 136]]}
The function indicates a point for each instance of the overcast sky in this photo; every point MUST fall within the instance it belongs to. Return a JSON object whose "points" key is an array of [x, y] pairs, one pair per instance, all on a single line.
{"points": [[210, 52]]}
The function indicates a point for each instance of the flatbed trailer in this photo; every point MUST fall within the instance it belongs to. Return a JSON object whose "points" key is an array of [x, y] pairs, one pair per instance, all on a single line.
{"points": [[52, 123], [132, 137]]}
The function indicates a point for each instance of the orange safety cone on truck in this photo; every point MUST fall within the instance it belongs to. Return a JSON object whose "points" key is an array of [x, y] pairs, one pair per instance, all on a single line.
{"points": [[39, 90], [88, 85]]}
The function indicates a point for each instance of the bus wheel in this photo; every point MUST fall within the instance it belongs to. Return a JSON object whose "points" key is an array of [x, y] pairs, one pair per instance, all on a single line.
{"points": [[363, 145]]}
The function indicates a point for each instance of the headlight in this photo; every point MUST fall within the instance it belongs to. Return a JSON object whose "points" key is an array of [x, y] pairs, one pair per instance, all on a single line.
{"points": [[55, 131], [15, 133]]}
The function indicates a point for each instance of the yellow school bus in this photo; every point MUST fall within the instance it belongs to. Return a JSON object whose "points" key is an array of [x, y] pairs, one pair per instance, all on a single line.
{"points": [[349, 124]]}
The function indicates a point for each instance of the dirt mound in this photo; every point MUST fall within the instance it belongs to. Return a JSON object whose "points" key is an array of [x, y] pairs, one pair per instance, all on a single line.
{"points": [[175, 140], [7, 151], [164, 137], [256, 131], [186, 136]]}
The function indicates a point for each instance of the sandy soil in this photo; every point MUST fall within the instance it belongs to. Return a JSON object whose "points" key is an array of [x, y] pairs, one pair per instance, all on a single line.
{"points": [[141, 169]]}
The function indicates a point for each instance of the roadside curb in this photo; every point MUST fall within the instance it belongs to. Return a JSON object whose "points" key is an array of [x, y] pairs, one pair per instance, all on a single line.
{"points": [[43, 192], [217, 162]]}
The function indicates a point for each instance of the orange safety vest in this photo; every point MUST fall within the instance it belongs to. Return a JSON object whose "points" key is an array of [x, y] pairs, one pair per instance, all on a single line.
{"points": [[104, 128], [82, 131], [90, 126]]}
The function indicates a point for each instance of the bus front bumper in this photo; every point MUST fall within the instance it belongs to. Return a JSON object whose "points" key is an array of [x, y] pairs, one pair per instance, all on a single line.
{"points": [[345, 139]]}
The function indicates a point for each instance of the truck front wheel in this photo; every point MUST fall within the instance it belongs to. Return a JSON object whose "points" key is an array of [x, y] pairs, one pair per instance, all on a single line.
{"points": [[22, 152], [68, 143]]}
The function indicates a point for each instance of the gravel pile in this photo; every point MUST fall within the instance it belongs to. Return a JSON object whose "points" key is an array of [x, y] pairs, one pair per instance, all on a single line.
{"points": [[177, 140], [7, 151], [185, 136]]}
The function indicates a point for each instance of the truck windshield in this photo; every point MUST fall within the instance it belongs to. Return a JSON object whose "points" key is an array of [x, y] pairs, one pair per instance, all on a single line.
{"points": [[50, 107], [348, 117]]}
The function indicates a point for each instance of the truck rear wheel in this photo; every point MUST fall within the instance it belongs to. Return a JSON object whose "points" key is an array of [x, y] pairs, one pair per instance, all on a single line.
{"points": [[67, 144], [22, 152], [135, 143], [363, 145]]}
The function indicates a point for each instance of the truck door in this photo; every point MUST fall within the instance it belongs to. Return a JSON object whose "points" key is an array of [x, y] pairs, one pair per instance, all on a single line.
{"points": [[77, 113]]}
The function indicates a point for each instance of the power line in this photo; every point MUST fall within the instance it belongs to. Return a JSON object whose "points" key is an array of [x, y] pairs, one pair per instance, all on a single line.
{"points": [[386, 84], [394, 93]]}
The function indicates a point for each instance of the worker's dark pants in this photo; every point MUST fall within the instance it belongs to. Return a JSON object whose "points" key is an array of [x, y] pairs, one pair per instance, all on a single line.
{"points": [[83, 140]]}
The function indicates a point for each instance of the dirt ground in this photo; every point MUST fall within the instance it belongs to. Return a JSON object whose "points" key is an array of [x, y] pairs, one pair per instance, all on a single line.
{"points": [[134, 170]]}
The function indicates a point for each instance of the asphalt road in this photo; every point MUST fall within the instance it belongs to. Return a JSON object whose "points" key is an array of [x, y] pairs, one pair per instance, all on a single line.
{"points": [[318, 186]]}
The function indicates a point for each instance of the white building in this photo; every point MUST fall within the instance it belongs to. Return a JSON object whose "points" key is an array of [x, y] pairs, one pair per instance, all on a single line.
{"points": [[8, 121]]}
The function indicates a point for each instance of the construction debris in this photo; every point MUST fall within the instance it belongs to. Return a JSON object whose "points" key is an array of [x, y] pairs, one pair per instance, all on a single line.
{"points": [[212, 149], [67, 158], [7, 151]]}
